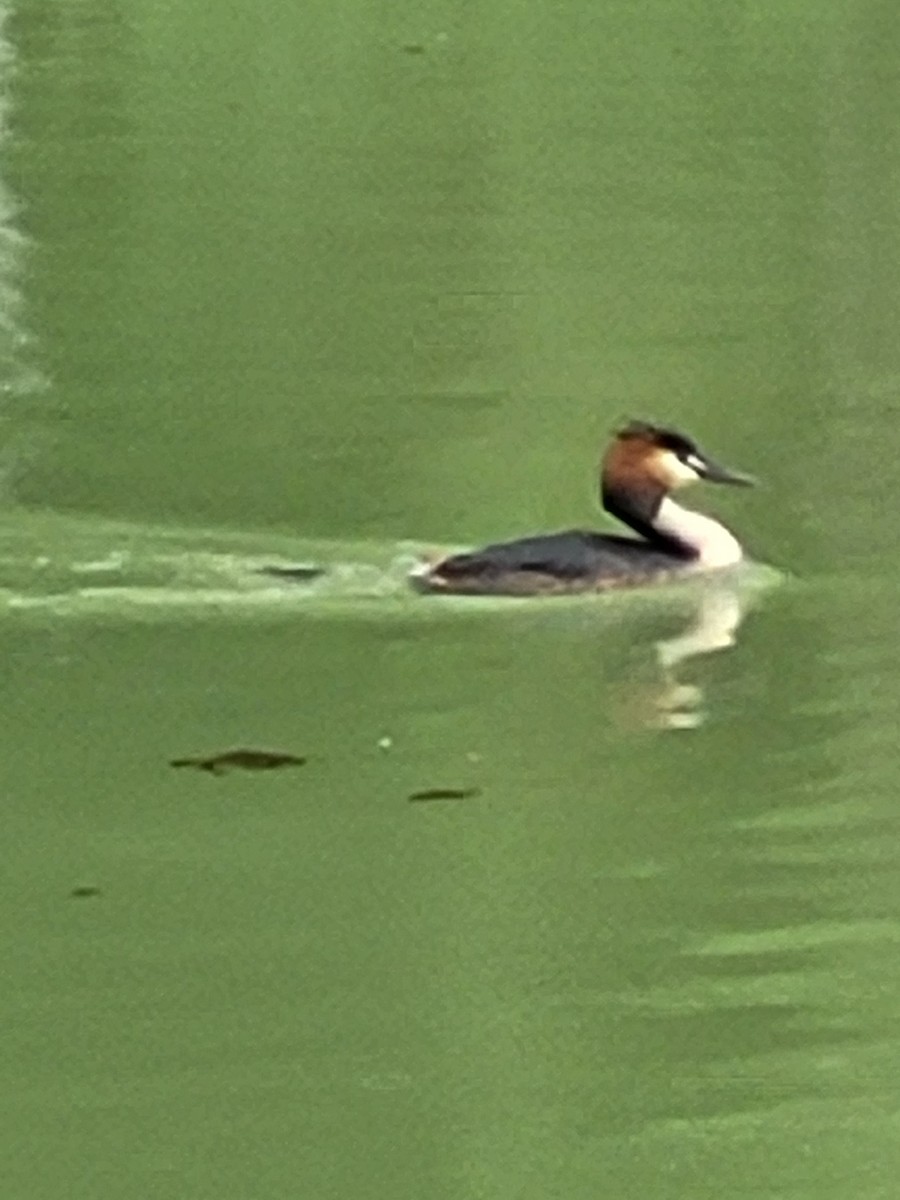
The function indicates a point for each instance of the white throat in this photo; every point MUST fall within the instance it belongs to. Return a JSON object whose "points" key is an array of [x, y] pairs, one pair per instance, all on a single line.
{"points": [[710, 541]]}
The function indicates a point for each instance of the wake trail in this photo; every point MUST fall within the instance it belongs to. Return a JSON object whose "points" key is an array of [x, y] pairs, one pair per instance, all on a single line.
{"points": [[80, 565]]}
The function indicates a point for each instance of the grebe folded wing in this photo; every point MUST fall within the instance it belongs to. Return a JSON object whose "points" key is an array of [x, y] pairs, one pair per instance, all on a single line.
{"points": [[572, 556]]}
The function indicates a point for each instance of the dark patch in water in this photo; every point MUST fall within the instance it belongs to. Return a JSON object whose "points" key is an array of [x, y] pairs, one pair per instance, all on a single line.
{"points": [[247, 760], [85, 892], [299, 574], [444, 794]]}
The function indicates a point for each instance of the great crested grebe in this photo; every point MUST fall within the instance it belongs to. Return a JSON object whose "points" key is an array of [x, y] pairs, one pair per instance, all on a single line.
{"points": [[642, 466]]}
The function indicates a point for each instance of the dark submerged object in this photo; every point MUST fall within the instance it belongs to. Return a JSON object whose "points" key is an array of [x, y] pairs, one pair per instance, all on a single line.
{"points": [[444, 794], [640, 469], [299, 574], [85, 891], [248, 760]]}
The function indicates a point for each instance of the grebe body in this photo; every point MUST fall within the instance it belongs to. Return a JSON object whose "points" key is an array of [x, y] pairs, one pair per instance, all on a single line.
{"points": [[642, 467]]}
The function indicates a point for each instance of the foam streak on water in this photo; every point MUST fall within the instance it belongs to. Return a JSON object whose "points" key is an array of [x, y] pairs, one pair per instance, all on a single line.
{"points": [[18, 375], [77, 567]]}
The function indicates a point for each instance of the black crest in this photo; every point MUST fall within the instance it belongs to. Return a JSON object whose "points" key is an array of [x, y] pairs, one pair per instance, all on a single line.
{"points": [[659, 435]]}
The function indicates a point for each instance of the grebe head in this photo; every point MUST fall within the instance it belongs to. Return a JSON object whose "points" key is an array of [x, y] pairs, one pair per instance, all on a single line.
{"points": [[646, 455], [642, 466]]}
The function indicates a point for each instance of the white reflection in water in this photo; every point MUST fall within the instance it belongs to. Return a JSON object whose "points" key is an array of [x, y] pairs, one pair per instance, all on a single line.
{"points": [[720, 606]]}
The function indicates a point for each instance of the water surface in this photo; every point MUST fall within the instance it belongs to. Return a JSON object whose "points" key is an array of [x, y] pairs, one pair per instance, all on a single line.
{"points": [[345, 286]]}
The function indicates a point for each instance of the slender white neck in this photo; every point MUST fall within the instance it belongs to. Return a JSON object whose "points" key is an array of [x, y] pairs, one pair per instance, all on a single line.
{"points": [[710, 541]]}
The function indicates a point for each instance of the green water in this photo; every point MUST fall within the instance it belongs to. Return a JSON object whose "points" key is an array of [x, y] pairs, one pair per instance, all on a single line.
{"points": [[343, 284]]}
